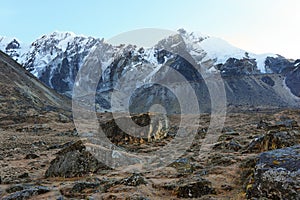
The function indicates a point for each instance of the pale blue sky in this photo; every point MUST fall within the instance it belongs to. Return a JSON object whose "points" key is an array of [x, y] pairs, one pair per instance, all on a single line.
{"points": [[254, 25]]}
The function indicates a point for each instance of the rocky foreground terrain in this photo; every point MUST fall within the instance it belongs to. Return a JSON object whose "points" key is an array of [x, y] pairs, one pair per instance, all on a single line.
{"points": [[255, 157]]}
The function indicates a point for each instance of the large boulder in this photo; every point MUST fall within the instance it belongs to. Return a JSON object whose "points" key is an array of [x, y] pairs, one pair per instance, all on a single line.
{"points": [[74, 161], [150, 127], [276, 175]]}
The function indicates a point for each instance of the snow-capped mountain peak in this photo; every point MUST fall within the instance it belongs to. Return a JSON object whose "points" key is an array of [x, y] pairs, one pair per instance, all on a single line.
{"points": [[218, 50]]}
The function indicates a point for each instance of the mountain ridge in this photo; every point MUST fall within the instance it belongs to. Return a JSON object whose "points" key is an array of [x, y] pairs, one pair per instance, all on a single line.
{"points": [[56, 58]]}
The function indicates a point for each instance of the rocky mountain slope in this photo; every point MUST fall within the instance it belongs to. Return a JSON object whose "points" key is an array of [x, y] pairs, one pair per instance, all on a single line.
{"points": [[249, 79], [24, 98]]}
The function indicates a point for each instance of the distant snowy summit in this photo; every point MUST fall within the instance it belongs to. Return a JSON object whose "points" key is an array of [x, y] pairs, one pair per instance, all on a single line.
{"points": [[38, 54]]}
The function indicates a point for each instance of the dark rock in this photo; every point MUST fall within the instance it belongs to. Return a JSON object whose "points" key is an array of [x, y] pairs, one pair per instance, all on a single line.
{"points": [[15, 188], [31, 156], [134, 180], [231, 145], [70, 133], [186, 188], [220, 160], [108, 183], [39, 143], [227, 187], [24, 175], [59, 146], [79, 187], [27, 193], [263, 124], [81, 190], [277, 175], [74, 161], [278, 64], [14, 44], [268, 80], [235, 66]]}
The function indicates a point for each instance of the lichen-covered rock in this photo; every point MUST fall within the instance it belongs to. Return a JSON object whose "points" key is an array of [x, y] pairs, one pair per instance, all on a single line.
{"points": [[273, 140], [74, 161], [182, 165], [276, 175], [134, 180]]}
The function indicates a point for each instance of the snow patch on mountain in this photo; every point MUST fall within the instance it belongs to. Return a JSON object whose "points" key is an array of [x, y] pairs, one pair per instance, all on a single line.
{"points": [[219, 50]]}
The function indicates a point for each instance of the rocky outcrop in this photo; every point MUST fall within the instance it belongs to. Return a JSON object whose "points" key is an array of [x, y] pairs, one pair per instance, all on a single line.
{"points": [[146, 127], [279, 135], [276, 175], [279, 65], [235, 67]]}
